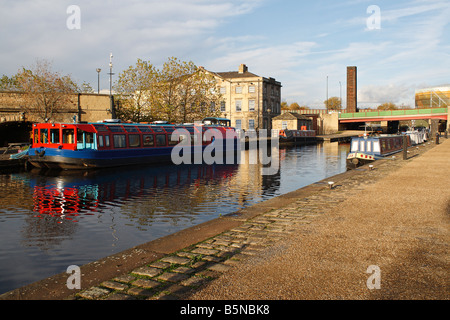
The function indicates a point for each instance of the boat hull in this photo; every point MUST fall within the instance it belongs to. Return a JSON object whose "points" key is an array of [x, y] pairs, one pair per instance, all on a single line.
{"points": [[69, 159], [356, 159]]}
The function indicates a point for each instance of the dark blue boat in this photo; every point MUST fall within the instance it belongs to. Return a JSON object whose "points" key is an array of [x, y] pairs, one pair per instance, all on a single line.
{"points": [[366, 149]]}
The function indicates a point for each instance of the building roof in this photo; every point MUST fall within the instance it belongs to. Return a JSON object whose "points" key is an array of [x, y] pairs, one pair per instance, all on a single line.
{"points": [[291, 116], [236, 74], [444, 87]]}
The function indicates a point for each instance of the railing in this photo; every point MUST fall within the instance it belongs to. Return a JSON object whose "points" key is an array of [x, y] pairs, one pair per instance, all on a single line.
{"points": [[392, 113]]}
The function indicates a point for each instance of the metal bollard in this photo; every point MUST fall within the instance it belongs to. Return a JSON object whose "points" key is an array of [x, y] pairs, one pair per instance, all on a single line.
{"points": [[405, 147], [437, 138], [446, 134]]}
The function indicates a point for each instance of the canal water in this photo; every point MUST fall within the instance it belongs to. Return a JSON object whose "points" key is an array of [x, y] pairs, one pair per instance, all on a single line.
{"points": [[49, 221]]}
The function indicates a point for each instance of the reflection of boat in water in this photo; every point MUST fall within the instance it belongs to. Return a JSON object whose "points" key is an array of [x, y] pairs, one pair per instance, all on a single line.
{"points": [[366, 149], [107, 144], [69, 193]]}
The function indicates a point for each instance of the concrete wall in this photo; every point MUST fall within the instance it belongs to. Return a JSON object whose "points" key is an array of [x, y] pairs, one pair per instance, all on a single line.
{"points": [[95, 107], [291, 124], [86, 107], [329, 123]]}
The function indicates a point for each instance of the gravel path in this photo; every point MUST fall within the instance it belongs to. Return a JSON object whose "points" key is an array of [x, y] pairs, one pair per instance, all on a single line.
{"points": [[398, 223]]}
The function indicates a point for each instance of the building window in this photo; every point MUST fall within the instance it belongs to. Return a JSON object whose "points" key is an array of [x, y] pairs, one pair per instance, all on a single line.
{"points": [[238, 89], [251, 124], [251, 105], [222, 106], [238, 124], [238, 105], [284, 125], [251, 89], [223, 90]]}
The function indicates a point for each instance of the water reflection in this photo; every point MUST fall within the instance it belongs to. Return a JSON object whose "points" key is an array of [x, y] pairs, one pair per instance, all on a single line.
{"points": [[49, 220], [139, 192]]}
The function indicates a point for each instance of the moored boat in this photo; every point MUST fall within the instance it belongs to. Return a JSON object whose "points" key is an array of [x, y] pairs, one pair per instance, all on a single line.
{"points": [[366, 149], [111, 144], [297, 136]]}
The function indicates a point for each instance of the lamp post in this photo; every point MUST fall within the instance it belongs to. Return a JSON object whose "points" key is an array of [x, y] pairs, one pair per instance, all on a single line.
{"points": [[110, 86], [110, 73], [98, 80], [327, 94]]}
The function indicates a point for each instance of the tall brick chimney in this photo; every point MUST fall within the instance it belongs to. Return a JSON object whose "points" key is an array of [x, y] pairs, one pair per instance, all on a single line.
{"points": [[243, 68], [352, 90]]}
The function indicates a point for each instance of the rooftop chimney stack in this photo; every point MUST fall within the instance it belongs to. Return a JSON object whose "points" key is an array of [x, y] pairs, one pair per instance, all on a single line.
{"points": [[243, 68]]}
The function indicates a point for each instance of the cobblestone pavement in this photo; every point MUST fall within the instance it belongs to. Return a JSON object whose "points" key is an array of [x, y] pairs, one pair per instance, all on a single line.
{"points": [[178, 275]]}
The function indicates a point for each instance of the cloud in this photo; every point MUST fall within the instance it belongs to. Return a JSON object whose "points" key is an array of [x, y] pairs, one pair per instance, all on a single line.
{"points": [[379, 94], [152, 30]]}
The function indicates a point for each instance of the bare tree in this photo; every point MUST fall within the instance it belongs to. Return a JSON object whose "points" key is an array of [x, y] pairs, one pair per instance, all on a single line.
{"points": [[46, 93]]}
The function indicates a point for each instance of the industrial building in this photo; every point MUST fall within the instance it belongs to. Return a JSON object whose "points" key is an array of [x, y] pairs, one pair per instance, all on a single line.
{"points": [[434, 97]]}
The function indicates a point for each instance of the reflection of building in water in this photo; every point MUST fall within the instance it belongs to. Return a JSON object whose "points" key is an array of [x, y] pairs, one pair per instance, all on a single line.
{"points": [[16, 187], [250, 183], [331, 148]]}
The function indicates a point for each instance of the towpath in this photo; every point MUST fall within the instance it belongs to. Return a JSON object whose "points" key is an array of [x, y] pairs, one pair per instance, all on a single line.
{"points": [[375, 234]]}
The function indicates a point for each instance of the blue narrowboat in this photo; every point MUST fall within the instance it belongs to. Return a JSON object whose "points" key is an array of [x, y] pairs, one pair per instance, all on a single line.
{"points": [[111, 144], [365, 149]]}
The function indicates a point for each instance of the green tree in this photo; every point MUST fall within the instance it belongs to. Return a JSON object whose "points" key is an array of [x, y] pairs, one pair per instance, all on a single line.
{"points": [[135, 92], [186, 93], [86, 88], [387, 106], [8, 83], [333, 103]]}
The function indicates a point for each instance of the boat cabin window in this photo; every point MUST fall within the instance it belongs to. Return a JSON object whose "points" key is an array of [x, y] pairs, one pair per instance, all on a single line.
{"points": [[54, 135], [160, 140], [85, 140], [130, 129], [148, 140], [134, 140], [145, 129], [376, 146], [369, 146], [115, 128], [120, 141], [362, 146], [355, 144], [103, 141], [36, 135], [44, 136], [68, 135], [173, 143]]}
